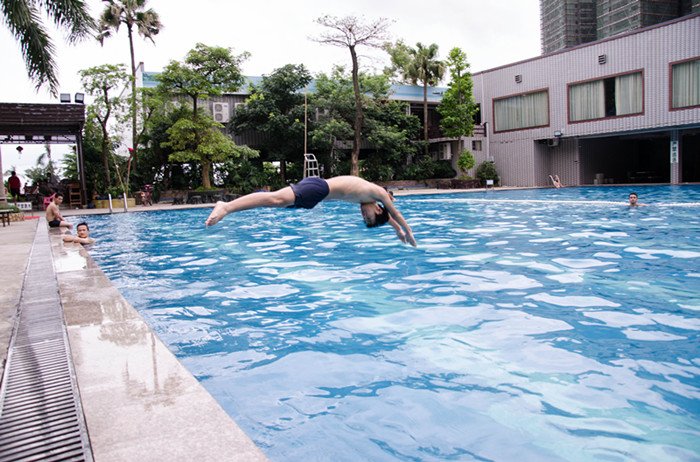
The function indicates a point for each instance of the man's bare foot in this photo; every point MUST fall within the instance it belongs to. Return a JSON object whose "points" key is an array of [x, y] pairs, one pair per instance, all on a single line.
{"points": [[217, 214]]}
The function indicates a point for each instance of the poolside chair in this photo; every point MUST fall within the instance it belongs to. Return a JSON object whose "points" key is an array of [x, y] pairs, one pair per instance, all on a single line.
{"points": [[47, 200]]}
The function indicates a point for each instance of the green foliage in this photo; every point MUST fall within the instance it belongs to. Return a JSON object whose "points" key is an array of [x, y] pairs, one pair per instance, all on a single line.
{"points": [[24, 18], [353, 33], [457, 106], [206, 71], [487, 171], [130, 13], [415, 65], [386, 125], [276, 108], [242, 176], [95, 175], [38, 174], [114, 191], [426, 167], [443, 169], [11, 208], [99, 82], [465, 161], [202, 141]]}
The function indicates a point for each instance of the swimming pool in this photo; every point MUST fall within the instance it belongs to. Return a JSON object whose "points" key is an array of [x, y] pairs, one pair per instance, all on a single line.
{"points": [[531, 325]]}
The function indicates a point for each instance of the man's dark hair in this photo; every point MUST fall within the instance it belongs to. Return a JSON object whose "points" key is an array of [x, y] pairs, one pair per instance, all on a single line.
{"points": [[380, 219], [58, 195], [81, 224]]}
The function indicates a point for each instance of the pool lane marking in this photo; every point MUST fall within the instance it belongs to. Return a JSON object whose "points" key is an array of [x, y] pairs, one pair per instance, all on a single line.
{"points": [[541, 201]]}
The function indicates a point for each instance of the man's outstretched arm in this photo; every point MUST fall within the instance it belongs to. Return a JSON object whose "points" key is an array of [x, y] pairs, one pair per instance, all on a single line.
{"points": [[396, 215]]}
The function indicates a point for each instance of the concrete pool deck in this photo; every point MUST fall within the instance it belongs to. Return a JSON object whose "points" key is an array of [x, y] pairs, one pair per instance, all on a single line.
{"points": [[139, 401]]}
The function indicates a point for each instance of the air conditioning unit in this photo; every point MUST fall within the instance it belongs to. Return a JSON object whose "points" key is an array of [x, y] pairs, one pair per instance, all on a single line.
{"points": [[445, 151], [552, 142], [220, 112], [237, 105]]}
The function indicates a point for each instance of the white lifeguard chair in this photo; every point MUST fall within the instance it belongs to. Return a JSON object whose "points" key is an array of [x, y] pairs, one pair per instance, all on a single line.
{"points": [[310, 165]]}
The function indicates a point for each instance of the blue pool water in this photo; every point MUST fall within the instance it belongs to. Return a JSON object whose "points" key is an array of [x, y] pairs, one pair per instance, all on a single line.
{"points": [[530, 325]]}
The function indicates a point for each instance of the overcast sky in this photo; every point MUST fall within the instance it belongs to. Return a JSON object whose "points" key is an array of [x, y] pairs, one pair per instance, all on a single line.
{"points": [[276, 33]]}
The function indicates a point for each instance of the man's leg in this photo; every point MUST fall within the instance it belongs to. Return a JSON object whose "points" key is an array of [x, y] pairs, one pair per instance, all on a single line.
{"points": [[281, 198]]}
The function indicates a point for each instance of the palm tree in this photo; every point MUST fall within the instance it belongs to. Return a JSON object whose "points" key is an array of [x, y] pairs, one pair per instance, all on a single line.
{"points": [[419, 64], [130, 13], [24, 19]]}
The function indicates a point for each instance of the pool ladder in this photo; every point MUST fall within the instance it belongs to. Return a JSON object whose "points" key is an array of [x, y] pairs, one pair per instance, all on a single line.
{"points": [[310, 165]]}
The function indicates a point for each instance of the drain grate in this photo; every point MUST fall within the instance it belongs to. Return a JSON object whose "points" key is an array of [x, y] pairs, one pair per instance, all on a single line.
{"points": [[40, 413]]}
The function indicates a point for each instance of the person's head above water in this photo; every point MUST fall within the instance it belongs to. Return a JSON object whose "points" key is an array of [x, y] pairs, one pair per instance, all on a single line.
{"points": [[374, 214], [83, 230]]}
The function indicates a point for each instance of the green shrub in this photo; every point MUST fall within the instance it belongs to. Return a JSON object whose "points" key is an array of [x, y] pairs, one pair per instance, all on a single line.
{"points": [[465, 161], [425, 168], [487, 171]]}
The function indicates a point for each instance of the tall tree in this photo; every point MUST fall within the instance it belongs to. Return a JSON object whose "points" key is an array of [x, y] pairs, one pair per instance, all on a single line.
{"points": [[24, 19], [386, 125], [130, 13], [101, 82], [457, 106], [276, 107], [416, 65], [207, 71], [203, 141], [351, 32]]}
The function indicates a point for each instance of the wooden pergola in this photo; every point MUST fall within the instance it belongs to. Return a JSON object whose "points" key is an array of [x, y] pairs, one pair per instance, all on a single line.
{"points": [[45, 124]]}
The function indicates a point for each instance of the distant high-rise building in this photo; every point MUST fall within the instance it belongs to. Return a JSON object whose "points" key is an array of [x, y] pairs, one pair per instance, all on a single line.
{"points": [[567, 23]]}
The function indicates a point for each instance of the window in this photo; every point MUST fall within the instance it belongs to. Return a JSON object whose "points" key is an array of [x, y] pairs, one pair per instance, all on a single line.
{"points": [[685, 84], [476, 145], [521, 111], [609, 97]]}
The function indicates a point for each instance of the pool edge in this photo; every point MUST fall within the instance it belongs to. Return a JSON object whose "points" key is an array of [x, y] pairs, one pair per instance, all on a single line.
{"points": [[140, 402]]}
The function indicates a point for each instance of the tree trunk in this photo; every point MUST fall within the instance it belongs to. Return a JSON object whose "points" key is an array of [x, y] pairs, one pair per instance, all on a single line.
{"points": [[105, 148], [425, 116], [359, 116], [206, 168], [134, 140]]}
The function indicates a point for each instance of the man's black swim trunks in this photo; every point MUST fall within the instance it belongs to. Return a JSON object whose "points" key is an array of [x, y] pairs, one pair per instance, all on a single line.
{"points": [[55, 223], [309, 192]]}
